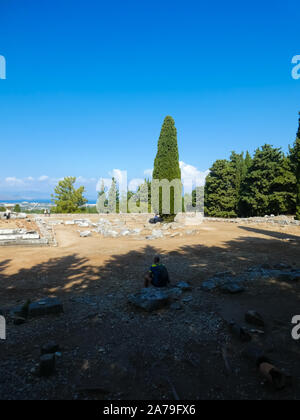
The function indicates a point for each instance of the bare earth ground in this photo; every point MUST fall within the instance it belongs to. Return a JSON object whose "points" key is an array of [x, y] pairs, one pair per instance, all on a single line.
{"points": [[112, 351]]}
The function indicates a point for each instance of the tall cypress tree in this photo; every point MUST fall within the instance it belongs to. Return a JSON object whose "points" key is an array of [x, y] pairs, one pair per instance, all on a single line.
{"points": [[166, 164], [295, 160], [113, 197]]}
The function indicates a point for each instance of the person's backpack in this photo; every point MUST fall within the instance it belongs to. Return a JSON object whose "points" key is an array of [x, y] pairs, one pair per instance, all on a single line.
{"points": [[164, 276]]}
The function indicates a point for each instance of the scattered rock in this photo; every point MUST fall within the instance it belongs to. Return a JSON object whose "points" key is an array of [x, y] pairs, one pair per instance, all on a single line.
{"points": [[239, 332], [136, 231], [50, 348], [224, 274], [110, 233], [125, 233], [82, 222], [19, 320], [176, 306], [85, 234], [282, 266], [47, 365], [266, 267], [184, 286], [209, 285], [175, 234], [187, 299], [173, 292], [157, 234], [150, 299], [232, 288], [254, 331], [254, 318], [43, 307], [288, 277], [230, 283], [274, 376]]}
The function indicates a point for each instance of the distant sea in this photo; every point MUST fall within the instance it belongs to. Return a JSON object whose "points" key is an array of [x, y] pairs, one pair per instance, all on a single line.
{"points": [[35, 201]]}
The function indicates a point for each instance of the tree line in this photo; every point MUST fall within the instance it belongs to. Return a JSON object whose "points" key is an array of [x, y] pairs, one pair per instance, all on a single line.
{"points": [[242, 186], [263, 184]]}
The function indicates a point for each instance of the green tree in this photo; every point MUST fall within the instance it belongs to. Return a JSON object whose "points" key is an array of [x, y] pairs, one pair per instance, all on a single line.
{"points": [[144, 192], [247, 164], [102, 201], [220, 190], [223, 185], [113, 197], [166, 164], [102, 189], [269, 186], [239, 167], [67, 198], [197, 200], [17, 208], [295, 164]]}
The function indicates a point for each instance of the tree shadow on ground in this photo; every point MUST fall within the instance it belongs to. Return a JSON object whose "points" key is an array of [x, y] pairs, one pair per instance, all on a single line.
{"points": [[194, 263], [4, 264], [272, 234], [135, 360]]}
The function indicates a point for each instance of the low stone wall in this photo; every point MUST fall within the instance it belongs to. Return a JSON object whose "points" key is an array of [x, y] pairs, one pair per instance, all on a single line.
{"points": [[42, 236], [46, 230], [25, 242], [276, 220], [14, 215]]}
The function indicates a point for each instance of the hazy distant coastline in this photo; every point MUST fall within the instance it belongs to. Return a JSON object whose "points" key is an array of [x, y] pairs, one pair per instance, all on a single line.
{"points": [[41, 201]]}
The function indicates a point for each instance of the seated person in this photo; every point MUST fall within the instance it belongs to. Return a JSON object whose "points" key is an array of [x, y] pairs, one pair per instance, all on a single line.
{"points": [[156, 219], [158, 275], [7, 214]]}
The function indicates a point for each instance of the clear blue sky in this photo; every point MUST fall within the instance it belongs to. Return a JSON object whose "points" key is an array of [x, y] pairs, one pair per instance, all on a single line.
{"points": [[89, 83]]}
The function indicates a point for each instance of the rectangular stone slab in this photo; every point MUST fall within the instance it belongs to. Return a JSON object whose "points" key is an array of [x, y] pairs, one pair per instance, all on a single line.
{"points": [[9, 231], [31, 236], [12, 237], [45, 307]]}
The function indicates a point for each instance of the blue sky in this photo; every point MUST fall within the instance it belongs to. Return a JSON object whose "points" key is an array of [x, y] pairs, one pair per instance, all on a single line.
{"points": [[90, 82]]}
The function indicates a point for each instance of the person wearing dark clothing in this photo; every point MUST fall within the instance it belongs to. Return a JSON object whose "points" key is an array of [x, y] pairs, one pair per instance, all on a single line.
{"points": [[7, 214], [158, 275], [156, 219]]}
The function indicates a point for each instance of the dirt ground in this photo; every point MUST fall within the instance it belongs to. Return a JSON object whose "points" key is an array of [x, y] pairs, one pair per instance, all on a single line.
{"points": [[112, 351]]}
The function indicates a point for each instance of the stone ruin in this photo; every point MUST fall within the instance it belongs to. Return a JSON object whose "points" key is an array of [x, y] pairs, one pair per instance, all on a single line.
{"points": [[18, 236], [136, 226], [13, 215]]}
